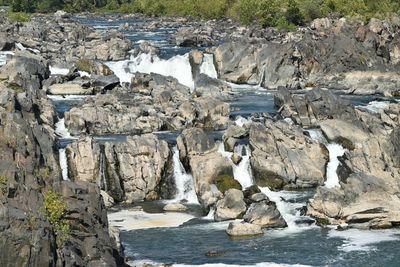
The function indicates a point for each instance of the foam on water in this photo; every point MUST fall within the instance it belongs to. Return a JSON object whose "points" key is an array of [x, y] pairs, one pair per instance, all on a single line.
{"points": [[240, 121], [63, 164], [335, 151], [375, 106], [58, 71], [317, 135], [242, 171], [62, 131], [121, 70], [207, 67], [177, 67], [363, 240], [184, 181], [3, 57], [84, 74], [210, 215]]}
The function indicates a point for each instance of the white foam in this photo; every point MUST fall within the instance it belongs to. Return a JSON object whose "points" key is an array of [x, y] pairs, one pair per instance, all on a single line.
{"points": [[375, 106], [177, 67], [84, 74], [363, 240], [63, 164], [207, 67], [241, 172], [240, 121], [67, 97], [288, 210], [184, 181], [62, 131], [121, 70], [58, 71], [131, 220], [3, 57], [335, 151], [20, 46], [210, 215], [317, 135]]}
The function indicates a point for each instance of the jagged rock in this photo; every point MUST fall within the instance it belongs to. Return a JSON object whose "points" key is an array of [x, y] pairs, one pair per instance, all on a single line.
{"points": [[283, 156], [69, 89], [207, 86], [232, 206], [232, 135], [83, 160], [93, 67], [236, 158], [258, 197], [364, 201], [199, 154], [135, 168], [264, 214], [243, 229]]}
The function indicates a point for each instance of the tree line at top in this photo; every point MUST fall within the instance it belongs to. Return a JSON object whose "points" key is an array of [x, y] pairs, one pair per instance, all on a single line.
{"points": [[281, 13]]}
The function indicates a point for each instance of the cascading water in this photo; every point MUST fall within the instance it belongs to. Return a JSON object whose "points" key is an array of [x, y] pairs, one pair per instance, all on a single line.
{"points": [[207, 67], [63, 163], [62, 131], [184, 181], [335, 151], [177, 67]]}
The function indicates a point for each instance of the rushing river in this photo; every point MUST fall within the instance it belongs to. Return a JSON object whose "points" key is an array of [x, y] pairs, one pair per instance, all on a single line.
{"points": [[194, 239]]}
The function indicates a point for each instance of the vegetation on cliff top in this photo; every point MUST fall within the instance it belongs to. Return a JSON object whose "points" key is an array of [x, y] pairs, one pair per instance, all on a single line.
{"points": [[266, 12]]}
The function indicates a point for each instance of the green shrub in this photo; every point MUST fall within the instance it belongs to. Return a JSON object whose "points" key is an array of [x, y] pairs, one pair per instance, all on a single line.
{"points": [[55, 211], [18, 17], [283, 24], [3, 184]]}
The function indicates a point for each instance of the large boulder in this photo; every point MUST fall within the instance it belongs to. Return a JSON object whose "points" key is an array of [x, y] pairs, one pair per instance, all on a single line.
{"points": [[232, 206], [134, 169], [83, 160], [283, 156], [264, 214], [200, 156]]}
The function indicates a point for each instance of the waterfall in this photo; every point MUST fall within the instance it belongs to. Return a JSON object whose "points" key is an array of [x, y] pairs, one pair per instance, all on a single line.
{"points": [[62, 131], [63, 163], [242, 171], [210, 215], [183, 181], [121, 70], [240, 121], [58, 71], [207, 67], [335, 151], [262, 76], [178, 67]]}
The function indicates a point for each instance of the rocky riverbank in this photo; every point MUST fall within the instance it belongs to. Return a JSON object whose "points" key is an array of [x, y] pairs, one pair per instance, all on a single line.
{"points": [[233, 168]]}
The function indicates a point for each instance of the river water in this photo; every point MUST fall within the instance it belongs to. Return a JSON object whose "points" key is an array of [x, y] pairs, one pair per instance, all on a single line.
{"points": [[188, 239]]}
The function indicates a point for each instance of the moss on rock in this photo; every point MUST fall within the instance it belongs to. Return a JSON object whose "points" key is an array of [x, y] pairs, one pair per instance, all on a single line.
{"points": [[225, 182]]}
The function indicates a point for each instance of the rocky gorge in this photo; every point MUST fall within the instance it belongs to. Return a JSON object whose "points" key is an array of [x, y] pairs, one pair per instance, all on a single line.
{"points": [[97, 125]]}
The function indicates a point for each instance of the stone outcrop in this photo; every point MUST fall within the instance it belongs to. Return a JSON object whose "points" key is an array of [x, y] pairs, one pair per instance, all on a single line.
{"points": [[134, 169], [283, 156], [232, 206], [200, 156], [265, 214]]}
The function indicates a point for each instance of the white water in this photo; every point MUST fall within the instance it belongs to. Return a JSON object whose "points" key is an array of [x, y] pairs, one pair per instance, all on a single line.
{"points": [[63, 164], [121, 70], [375, 106], [184, 181], [207, 67], [362, 240], [240, 121], [3, 57], [58, 71], [242, 171], [210, 215], [62, 131], [335, 151], [23, 48], [317, 135], [177, 67]]}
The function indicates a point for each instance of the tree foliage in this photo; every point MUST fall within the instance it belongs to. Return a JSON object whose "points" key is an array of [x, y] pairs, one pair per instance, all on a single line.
{"points": [[265, 12]]}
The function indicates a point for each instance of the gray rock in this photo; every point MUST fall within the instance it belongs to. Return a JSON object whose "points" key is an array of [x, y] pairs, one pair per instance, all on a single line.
{"points": [[175, 207], [243, 229], [232, 206], [264, 214]]}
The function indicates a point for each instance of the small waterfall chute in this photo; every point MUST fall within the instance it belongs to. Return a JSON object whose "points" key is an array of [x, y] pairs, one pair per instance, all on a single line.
{"points": [[335, 151], [207, 67], [62, 131], [184, 182], [63, 163]]}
